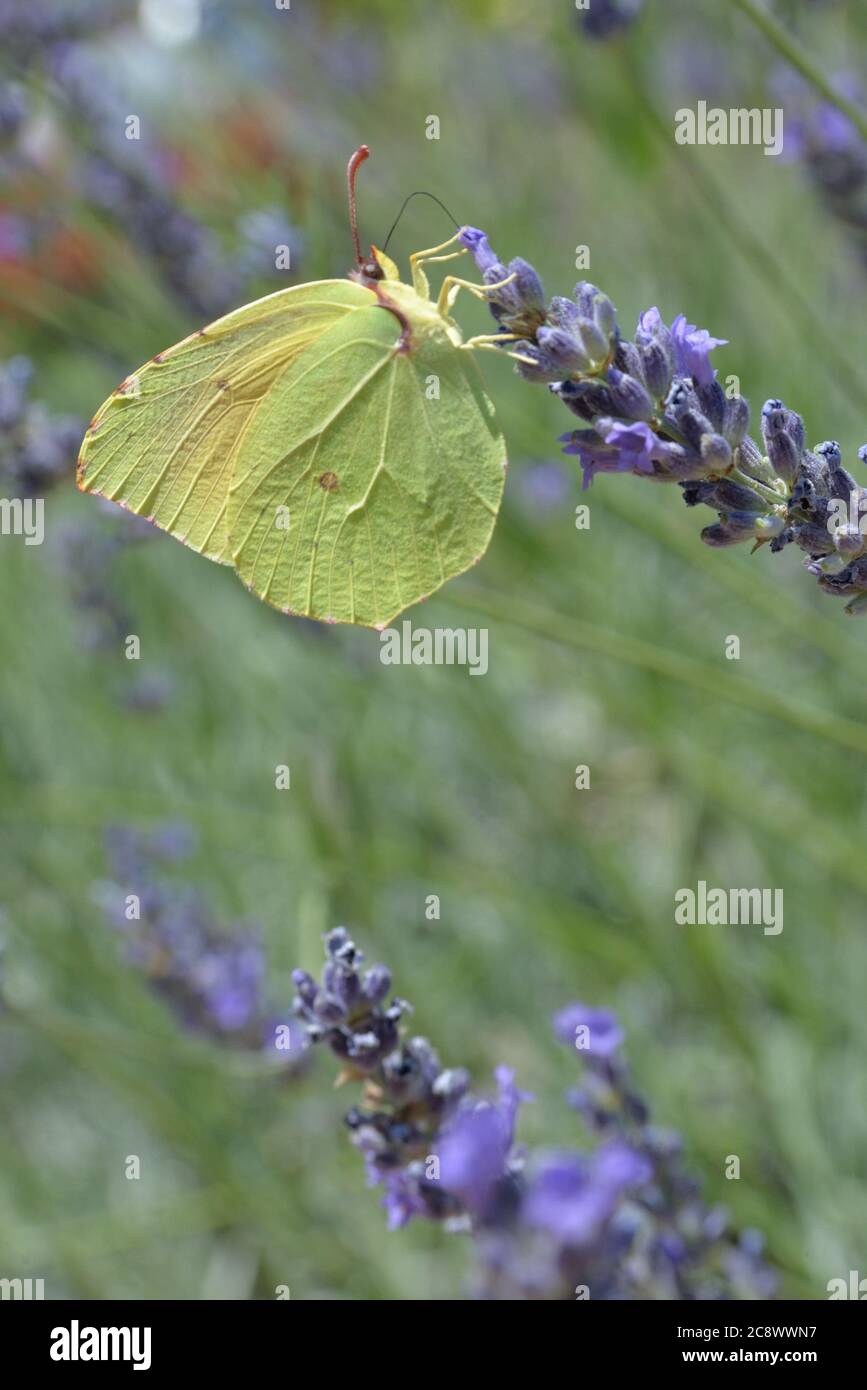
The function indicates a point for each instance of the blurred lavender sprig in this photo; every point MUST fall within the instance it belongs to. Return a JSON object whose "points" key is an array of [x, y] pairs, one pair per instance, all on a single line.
{"points": [[37, 448], [213, 980], [601, 19], [833, 153], [623, 1221], [652, 406], [26, 26], [129, 181], [85, 554]]}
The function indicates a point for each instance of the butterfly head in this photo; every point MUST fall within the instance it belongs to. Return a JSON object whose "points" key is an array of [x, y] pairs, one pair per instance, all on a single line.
{"points": [[368, 270]]}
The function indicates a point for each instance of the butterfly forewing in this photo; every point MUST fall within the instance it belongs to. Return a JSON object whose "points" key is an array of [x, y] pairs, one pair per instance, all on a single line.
{"points": [[165, 442]]}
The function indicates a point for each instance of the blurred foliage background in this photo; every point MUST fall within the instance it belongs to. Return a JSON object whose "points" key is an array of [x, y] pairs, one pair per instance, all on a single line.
{"points": [[606, 648]]}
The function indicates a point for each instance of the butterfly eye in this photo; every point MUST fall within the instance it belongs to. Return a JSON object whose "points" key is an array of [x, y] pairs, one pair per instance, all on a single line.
{"points": [[372, 270]]}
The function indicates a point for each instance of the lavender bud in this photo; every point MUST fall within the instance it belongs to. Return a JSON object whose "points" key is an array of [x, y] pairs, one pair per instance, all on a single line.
{"points": [[629, 397], [305, 985], [587, 399], [737, 527], [694, 427], [585, 294], [830, 451], [712, 400], [452, 1084], [627, 358], [752, 461], [594, 341], [736, 419], [715, 452], [783, 433], [328, 1008], [697, 493], [658, 364], [782, 454], [336, 939], [376, 983], [597, 307], [562, 351], [342, 982], [736, 497], [527, 286], [563, 313]]}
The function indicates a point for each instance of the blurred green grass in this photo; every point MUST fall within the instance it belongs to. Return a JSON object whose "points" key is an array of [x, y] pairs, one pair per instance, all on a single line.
{"points": [[606, 648]]}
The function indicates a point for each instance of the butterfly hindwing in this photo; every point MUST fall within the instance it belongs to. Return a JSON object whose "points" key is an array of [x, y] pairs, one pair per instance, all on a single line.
{"points": [[389, 465]]}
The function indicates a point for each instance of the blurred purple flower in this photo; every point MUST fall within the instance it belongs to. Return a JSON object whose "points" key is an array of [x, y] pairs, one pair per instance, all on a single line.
{"points": [[16, 236], [601, 1034], [230, 976], [602, 19], [573, 1197], [472, 1153], [545, 485], [475, 1147], [402, 1200]]}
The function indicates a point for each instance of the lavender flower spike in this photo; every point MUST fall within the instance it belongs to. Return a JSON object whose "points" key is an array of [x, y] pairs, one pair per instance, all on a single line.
{"points": [[652, 406], [624, 1219]]}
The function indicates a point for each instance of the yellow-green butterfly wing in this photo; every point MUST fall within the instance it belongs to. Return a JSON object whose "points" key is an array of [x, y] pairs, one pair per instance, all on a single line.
{"points": [[332, 441], [165, 442], [389, 464]]}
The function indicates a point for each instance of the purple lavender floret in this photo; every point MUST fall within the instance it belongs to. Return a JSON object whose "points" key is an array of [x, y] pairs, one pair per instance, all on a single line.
{"points": [[692, 348], [624, 1220]]}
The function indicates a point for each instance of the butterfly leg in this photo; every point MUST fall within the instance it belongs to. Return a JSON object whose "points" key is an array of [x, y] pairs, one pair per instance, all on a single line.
{"points": [[434, 250], [486, 339], [452, 284], [419, 279], [493, 342]]}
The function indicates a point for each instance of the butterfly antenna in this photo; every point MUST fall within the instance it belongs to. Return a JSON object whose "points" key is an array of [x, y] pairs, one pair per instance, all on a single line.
{"points": [[419, 193], [361, 154]]}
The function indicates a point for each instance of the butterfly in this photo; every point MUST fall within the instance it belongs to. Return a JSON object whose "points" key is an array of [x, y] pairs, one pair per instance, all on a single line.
{"points": [[333, 442]]}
